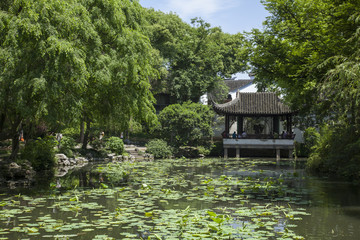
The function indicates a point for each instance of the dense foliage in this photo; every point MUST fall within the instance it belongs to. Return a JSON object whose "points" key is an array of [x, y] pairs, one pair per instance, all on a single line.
{"points": [[337, 152], [86, 59], [40, 153], [115, 145], [195, 58], [159, 148], [187, 124], [67, 146], [308, 52]]}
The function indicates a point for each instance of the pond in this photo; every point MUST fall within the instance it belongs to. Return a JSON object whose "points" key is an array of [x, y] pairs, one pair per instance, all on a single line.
{"points": [[183, 199]]}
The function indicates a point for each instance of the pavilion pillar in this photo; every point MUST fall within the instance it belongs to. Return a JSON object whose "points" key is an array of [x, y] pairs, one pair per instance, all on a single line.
{"points": [[237, 152], [227, 123], [278, 155], [240, 121], [276, 124], [289, 124]]}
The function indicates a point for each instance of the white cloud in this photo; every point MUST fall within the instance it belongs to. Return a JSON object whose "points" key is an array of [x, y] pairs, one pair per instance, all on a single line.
{"points": [[200, 8]]}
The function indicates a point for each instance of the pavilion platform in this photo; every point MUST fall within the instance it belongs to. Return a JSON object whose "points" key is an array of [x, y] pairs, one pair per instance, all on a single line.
{"points": [[245, 143]]}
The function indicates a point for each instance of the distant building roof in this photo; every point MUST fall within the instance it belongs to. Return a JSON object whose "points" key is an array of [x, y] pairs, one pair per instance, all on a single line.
{"points": [[254, 104], [236, 84]]}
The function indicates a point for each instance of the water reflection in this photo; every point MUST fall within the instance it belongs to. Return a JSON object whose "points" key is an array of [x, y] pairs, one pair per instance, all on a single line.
{"points": [[334, 208]]}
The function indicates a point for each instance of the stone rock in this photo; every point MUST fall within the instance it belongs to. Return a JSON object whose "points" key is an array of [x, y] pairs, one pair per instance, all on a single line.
{"points": [[66, 163], [81, 160], [61, 156], [14, 166], [16, 174]]}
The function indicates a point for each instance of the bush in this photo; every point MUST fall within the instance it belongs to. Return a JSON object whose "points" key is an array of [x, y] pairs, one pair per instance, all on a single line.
{"points": [[337, 152], [311, 138], [115, 145], [67, 143], [217, 150], [188, 124], [301, 150], [159, 148], [187, 152], [40, 153], [96, 144], [73, 133]]}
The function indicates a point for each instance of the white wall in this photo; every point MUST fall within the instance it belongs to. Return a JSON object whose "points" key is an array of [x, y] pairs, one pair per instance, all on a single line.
{"points": [[248, 88]]}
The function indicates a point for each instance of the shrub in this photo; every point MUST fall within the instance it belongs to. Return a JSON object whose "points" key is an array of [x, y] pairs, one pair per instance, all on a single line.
{"points": [[73, 133], [159, 148], [40, 153], [188, 124], [217, 149], [311, 138], [96, 144], [67, 146], [301, 150], [337, 152], [67, 143], [187, 152], [115, 145]]}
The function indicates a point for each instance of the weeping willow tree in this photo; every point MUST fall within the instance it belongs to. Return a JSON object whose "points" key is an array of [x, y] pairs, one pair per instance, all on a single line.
{"points": [[63, 61]]}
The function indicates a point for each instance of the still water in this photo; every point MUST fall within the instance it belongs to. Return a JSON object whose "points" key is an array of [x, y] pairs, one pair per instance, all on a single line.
{"points": [[183, 199]]}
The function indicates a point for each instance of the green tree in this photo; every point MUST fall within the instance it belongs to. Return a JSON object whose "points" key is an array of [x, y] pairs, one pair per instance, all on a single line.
{"points": [[159, 148], [120, 67], [63, 61], [42, 62], [196, 58], [309, 53], [292, 54], [187, 124]]}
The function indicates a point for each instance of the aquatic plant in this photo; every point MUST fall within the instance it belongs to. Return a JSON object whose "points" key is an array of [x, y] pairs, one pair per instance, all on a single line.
{"points": [[167, 199]]}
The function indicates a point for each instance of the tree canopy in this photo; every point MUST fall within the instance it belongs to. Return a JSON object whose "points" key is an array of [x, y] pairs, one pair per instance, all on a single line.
{"points": [[309, 53], [187, 124], [65, 60], [195, 58], [301, 43]]}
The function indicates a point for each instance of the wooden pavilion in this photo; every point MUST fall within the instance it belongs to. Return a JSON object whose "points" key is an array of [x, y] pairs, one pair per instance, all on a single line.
{"points": [[256, 121]]}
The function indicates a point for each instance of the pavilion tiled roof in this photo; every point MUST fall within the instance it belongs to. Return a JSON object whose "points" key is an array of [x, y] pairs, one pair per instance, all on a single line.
{"points": [[236, 84], [254, 104]]}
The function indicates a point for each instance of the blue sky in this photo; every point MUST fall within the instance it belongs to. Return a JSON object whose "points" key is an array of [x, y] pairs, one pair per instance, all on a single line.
{"points": [[232, 16]]}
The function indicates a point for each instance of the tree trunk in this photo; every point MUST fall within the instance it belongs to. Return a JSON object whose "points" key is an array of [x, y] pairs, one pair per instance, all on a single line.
{"points": [[82, 129], [15, 140], [15, 146], [86, 135], [2, 121]]}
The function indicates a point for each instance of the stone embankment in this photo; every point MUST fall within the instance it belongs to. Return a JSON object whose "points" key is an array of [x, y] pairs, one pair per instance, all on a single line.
{"points": [[16, 174], [134, 154], [64, 164]]}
